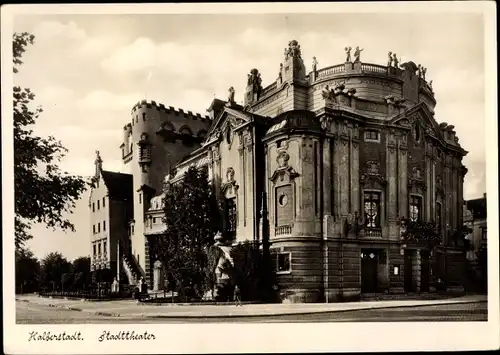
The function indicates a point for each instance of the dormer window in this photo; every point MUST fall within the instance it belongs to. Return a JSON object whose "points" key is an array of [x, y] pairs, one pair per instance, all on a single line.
{"points": [[372, 136]]}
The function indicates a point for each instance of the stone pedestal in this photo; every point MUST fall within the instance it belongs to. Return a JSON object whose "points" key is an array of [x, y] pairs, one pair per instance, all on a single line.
{"points": [[158, 281]]}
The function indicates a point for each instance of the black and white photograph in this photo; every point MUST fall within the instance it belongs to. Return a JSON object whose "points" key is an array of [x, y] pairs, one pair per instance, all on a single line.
{"points": [[176, 174]]}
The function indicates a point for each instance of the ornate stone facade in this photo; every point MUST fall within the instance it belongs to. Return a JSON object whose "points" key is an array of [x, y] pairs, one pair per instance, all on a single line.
{"points": [[341, 155]]}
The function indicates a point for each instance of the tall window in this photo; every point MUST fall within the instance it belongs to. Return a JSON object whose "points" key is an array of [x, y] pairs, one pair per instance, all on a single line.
{"points": [[95, 251], [104, 202], [98, 201], [231, 216], [93, 206], [99, 227], [93, 228], [415, 208], [104, 226], [372, 209], [105, 247], [99, 248], [438, 214]]}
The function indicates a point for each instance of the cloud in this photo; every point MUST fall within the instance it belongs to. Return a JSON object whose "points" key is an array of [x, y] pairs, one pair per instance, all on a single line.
{"points": [[105, 100], [137, 56], [48, 31]]}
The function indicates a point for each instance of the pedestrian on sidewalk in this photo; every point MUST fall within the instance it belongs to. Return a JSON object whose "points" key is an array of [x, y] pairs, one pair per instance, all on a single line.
{"points": [[237, 296]]}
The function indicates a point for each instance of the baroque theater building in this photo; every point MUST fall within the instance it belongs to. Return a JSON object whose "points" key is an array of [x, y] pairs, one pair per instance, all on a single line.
{"points": [[324, 165]]}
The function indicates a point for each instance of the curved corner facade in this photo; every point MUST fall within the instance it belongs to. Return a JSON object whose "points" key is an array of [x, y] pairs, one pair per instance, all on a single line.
{"points": [[324, 165]]}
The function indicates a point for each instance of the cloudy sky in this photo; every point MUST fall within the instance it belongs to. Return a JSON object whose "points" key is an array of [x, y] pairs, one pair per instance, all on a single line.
{"points": [[87, 72]]}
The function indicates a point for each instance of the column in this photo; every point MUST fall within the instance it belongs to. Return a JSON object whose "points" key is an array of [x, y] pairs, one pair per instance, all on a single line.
{"points": [[403, 180], [249, 200], [327, 178], [336, 179], [344, 176], [427, 202], [391, 173], [354, 166], [242, 216]]}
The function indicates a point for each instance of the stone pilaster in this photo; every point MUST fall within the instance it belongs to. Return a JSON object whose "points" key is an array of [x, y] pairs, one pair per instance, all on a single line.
{"points": [[248, 167], [327, 178], [242, 180], [344, 175], [427, 202], [306, 218], [354, 170], [403, 179], [432, 187], [392, 177], [336, 179]]}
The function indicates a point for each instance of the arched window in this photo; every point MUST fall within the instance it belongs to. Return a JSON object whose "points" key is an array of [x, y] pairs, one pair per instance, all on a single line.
{"points": [[372, 209]]}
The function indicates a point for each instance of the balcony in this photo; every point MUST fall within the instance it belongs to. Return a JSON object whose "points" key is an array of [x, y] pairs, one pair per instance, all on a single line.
{"points": [[373, 233], [283, 230]]}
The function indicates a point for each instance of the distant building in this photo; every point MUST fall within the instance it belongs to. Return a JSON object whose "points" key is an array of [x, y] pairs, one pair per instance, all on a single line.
{"points": [[329, 161], [475, 218]]}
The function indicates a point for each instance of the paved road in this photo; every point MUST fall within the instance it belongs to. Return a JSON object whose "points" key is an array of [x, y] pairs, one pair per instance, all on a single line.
{"points": [[29, 313]]}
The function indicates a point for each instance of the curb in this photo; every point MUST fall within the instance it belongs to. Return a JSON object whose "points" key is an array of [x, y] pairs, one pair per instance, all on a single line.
{"points": [[300, 313]]}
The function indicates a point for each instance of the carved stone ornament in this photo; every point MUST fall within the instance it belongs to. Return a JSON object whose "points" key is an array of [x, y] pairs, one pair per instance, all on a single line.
{"points": [[326, 123], [283, 159], [417, 173], [230, 174], [372, 167]]}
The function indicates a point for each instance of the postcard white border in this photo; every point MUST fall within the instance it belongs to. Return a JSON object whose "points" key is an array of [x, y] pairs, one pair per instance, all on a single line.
{"points": [[200, 338]]}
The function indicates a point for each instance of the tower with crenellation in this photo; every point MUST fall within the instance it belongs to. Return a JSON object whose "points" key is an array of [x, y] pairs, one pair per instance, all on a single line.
{"points": [[155, 140]]}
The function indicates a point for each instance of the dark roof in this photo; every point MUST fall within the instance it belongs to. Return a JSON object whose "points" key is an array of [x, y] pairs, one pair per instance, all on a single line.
{"points": [[119, 185], [216, 105], [293, 121], [477, 207]]}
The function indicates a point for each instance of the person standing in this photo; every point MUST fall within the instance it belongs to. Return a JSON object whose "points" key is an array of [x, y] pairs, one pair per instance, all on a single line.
{"points": [[237, 296]]}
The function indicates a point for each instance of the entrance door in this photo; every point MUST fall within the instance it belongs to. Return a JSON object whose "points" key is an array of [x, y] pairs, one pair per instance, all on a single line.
{"points": [[408, 272], [424, 271], [369, 262]]}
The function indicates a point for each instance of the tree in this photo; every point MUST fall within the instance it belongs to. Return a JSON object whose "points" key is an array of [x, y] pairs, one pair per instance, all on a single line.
{"points": [[251, 271], [192, 219], [27, 272], [43, 194], [81, 272], [54, 266]]}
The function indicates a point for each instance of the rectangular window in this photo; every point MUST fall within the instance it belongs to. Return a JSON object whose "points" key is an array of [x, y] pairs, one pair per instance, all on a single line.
{"points": [[415, 208], [99, 248], [371, 135], [99, 227], [104, 226], [98, 202], [132, 230], [93, 228], [104, 202], [231, 216], [283, 263], [105, 247], [93, 206], [372, 209], [95, 251], [140, 197]]}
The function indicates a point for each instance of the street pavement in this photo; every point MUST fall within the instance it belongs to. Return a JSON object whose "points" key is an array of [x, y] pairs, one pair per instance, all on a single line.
{"points": [[34, 309], [31, 313]]}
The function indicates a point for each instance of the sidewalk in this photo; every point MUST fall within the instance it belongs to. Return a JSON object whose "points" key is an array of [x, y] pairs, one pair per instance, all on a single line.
{"points": [[131, 309]]}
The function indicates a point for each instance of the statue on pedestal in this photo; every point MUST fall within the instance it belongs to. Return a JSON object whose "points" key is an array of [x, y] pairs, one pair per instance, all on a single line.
{"points": [[430, 85], [424, 70], [396, 61], [314, 65], [348, 53], [230, 98], [357, 54], [389, 59], [419, 71]]}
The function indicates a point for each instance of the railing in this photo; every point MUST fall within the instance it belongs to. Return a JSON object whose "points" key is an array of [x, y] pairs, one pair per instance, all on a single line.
{"points": [[268, 89], [283, 230], [373, 233], [373, 68], [129, 271], [339, 68]]}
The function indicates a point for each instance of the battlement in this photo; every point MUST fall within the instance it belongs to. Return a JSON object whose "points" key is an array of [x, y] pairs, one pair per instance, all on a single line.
{"points": [[169, 110]]}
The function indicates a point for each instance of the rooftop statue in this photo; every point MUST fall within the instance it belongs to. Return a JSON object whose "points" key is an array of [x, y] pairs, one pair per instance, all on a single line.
{"points": [[419, 71], [230, 98], [357, 54], [315, 64], [424, 70], [255, 81], [389, 59], [395, 60], [293, 50], [348, 53]]}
